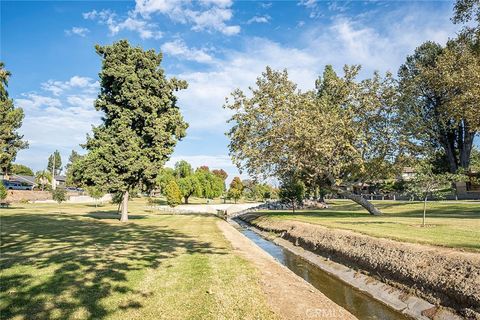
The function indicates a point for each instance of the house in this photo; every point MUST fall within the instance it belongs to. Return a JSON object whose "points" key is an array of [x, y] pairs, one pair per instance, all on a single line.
{"points": [[60, 181], [408, 173], [19, 182], [471, 186]]}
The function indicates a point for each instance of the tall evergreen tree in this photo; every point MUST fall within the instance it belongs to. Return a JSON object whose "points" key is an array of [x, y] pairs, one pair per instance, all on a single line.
{"points": [[10, 121], [56, 159], [141, 121]]}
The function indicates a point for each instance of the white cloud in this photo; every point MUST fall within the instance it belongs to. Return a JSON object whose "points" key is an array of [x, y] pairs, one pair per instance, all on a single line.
{"points": [[179, 49], [58, 87], [79, 31], [144, 28], [205, 15], [205, 96], [259, 19], [58, 122], [312, 6], [346, 41], [210, 15], [32, 101]]}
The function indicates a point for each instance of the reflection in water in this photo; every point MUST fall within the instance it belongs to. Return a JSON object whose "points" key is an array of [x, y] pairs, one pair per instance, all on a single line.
{"points": [[357, 303]]}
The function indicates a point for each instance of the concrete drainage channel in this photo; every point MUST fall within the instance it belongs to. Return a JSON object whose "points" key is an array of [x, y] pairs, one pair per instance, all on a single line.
{"points": [[361, 295]]}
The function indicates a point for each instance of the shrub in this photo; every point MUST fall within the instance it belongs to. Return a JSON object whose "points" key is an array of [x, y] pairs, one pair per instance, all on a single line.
{"points": [[174, 196], [59, 195]]}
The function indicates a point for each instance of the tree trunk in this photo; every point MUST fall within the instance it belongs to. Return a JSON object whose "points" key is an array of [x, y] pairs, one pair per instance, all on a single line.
{"points": [[124, 216], [293, 206], [360, 200], [466, 147], [424, 211], [185, 199]]}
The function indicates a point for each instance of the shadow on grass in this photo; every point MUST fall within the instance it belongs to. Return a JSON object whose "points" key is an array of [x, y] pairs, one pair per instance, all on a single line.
{"points": [[112, 215], [158, 202], [84, 260]]}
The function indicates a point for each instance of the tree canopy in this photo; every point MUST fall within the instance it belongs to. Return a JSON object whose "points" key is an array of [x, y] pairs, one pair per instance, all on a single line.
{"points": [[436, 107], [21, 169]]}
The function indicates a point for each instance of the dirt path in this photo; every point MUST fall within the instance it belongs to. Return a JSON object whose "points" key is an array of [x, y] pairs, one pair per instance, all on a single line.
{"points": [[289, 296]]}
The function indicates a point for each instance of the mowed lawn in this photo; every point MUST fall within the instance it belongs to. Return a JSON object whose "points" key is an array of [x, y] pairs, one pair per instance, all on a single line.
{"points": [[449, 224], [79, 262]]}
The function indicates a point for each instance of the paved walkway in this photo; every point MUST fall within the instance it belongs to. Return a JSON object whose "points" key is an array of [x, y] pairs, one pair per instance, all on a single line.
{"points": [[210, 208]]}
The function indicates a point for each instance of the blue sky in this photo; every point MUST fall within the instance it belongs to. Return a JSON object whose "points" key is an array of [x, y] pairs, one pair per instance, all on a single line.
{"points": [[216, 45]]}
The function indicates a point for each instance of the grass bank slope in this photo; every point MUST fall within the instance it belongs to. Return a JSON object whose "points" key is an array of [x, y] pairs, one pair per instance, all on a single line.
{"points": [[449, 224]]}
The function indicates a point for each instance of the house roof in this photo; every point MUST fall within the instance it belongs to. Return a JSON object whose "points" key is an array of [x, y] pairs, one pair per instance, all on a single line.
{"points": [[25, 179], [60, 178]]}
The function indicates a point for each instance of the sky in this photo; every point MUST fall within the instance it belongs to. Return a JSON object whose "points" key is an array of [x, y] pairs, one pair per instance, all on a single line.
{"points": [[215, 45]]}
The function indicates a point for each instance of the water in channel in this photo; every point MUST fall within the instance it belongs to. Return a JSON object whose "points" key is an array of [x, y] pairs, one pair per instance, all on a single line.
{"points": [[359, 304]]}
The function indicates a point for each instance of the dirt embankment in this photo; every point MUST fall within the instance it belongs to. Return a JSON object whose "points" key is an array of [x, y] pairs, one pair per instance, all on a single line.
{"points": [[441, 276]]}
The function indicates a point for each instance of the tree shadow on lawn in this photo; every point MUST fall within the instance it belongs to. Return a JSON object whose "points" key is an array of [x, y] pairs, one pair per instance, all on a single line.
{"points": [[112, 215], [87, 261]]}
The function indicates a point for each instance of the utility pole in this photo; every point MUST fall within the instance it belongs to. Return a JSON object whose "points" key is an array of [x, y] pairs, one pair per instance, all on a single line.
{"points": [[54, 185]]}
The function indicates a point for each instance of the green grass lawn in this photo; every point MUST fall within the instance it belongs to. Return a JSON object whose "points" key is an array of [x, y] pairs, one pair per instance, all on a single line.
{"points": [[455, 225], [79, 262]]}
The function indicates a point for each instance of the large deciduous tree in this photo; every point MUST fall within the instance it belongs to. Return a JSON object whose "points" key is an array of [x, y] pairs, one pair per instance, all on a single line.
{"points": [[439, 90], [141, 121], [189, 186], [212, 186], [10, 121], [342, 133]]}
